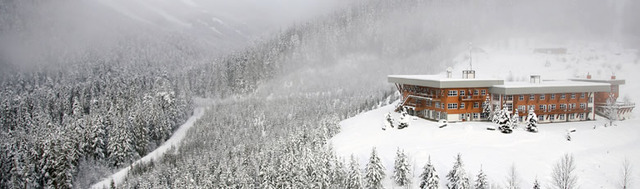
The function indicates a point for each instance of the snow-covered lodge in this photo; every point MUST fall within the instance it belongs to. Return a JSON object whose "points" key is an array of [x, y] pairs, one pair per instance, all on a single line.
{"points": [[469, 98]]}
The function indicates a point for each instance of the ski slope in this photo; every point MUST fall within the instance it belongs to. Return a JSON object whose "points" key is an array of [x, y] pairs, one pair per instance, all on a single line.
{"points": [[598, 151]]}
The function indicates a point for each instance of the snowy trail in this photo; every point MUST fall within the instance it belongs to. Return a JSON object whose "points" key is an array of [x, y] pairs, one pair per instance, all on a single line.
{"points": [[174, 141]]}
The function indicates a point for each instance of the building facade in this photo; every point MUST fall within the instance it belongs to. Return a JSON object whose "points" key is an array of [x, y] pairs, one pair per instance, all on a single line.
{"points": [[436, 97]]}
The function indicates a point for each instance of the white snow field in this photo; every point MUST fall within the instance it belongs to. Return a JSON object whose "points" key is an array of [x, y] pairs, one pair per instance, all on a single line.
{"points": [[598, 153], [173, 142]]}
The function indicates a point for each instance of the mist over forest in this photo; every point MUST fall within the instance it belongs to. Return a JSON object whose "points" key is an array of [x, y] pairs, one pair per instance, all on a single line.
{"points": [[90, 86]]}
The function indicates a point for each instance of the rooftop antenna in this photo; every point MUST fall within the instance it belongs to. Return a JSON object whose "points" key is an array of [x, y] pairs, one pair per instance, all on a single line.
{"points": [[470, 57]]}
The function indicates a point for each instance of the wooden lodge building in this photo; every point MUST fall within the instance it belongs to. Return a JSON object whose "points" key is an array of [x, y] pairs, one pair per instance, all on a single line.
{"points": [[436, 97]]}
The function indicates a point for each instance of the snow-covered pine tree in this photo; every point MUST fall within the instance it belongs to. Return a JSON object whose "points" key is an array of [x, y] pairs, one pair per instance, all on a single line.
{"points": [[486, 108], [429, 178], [481, 180], [374, 172], [532, 121], [97, 135], [354, 179], [401, 171], [457, 176]]}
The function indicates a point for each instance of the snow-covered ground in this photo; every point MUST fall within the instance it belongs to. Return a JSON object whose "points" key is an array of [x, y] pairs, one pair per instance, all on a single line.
{"points": [[598, 152], [173, 142]]}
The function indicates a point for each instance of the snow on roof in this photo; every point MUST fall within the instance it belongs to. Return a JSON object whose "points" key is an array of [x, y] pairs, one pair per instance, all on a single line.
{"points": [[440, 81], [610, 81], [545, 87]]}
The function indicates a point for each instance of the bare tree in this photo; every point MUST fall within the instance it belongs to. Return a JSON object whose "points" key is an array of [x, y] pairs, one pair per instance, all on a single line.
{"points": [[513, 181], [564, 173], [626, 175]]}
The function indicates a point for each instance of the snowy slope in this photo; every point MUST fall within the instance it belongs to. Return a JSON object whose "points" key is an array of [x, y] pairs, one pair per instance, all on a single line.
{"points": [[598, 152]]}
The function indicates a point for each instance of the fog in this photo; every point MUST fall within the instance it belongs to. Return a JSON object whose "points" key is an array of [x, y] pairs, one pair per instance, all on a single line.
{"points": [[42, 31]]}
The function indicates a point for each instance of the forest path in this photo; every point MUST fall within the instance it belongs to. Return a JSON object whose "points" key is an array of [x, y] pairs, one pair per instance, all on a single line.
{"points": [[118, 177]]}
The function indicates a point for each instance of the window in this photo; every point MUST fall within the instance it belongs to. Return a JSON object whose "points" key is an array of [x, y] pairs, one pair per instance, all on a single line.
{"points": [[521, 97], [442, 105], [452, 106], [563, 96], [531, 107], [563, 106], [496, 97], [542, 97], [553, 106], [581, 116], [541, 118], [462, 105], [572, 116], [543, 107], [437, 105], [509, 107], [573, 106], [552, 117], [475, 92], [581, 95], [521, 108], [453, 93], [476, 105], [476, 115], [573, 95], [553, 96], [461, 92], [532, 97], [483, 92], [583, 106], [590, 99], [561, 117], [509, 97]]}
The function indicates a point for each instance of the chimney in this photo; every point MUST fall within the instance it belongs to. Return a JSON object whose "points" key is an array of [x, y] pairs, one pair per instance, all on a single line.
{"points": [[468, 74], [449, 72], [534, 79], [613, 76], [588, 75]]}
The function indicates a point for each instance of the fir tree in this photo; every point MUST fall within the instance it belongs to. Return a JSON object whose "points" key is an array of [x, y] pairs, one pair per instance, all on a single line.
{"points": [[429, 178], [457, 176], [374, 172], [354, 179], [401, 172], [481, 180]]}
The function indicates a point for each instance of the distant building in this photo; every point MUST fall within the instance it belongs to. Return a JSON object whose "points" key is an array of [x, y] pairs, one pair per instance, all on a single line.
{"points": [[436, 97]]}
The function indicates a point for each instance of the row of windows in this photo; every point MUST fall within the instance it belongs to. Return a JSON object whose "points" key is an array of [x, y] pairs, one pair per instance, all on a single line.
{"points": [[543, 97], [551, 106], [463, 92], [559, 117], [461, 105]]}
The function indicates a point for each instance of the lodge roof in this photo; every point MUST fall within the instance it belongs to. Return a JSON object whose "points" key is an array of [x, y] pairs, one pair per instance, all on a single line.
{"points": [[546, 87], [437, 81], [610, 81]]}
